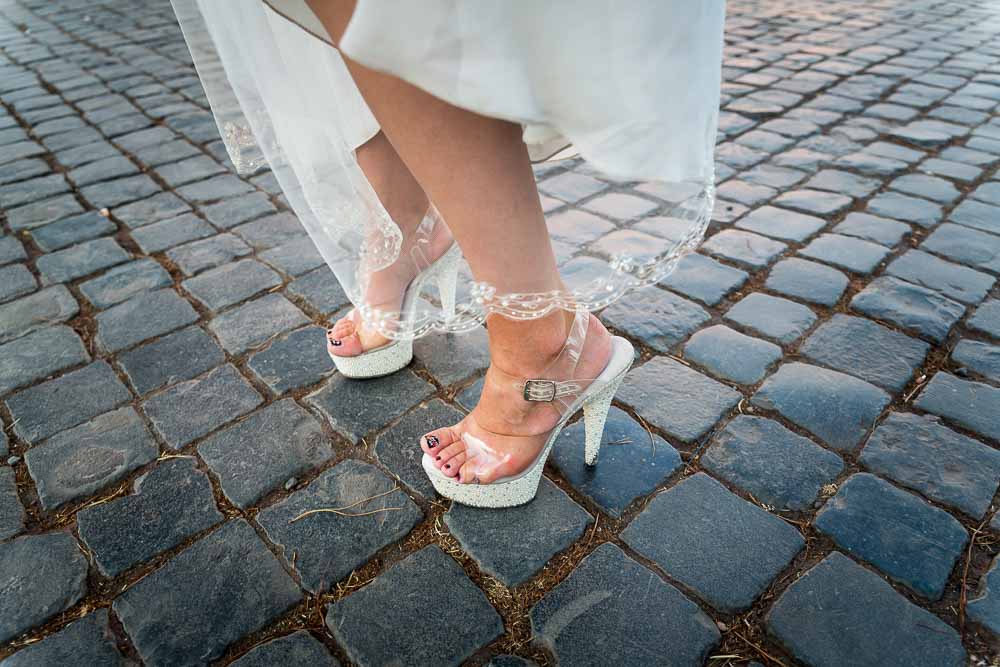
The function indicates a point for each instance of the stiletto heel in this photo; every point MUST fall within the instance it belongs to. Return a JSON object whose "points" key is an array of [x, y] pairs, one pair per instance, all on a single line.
{"points": [[595, 414], [447, 280], [568, 396]]}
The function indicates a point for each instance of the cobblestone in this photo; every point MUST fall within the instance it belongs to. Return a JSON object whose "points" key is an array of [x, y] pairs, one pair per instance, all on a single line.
{"points": [[856, 227], [72, 230], [979, 357], [356, 407], [255, 322], [632, 462], [837, 408], [324, 547], [910, 306], [231, 283], [911, 541], [80, 260], [604, 599], [838, 613], [108, 529], [54, 405], [748, 545], [672, 397], [298, 648], [42, 575], [11, 510], [513, 546], [866, 350], [189, 410], [973, 405], [428, 579], [79, 461], [731, 355], [780, 319], [142, 317], [777, 466], [656, 317], [178, 356], [262, 451], [218, 571]]}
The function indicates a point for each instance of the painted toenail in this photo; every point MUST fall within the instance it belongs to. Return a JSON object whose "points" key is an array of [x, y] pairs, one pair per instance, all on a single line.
{"points": [[335, 343], [437, 458], [432, 441], [447, 465]]}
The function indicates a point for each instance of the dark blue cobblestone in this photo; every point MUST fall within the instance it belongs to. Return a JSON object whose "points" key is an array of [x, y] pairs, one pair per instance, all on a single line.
{"points": [[897, 532]]}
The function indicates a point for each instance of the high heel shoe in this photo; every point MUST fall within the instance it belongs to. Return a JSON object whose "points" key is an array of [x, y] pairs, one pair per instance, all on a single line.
{"points": [[567, 396], [397, 354]]}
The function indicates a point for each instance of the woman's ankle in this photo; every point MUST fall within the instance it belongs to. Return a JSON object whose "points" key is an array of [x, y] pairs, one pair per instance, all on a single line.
{"points": [[528, 347]]}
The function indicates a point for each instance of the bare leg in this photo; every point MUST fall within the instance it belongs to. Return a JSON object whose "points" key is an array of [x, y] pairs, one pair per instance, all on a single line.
{"points": [[405, 201], [476, 171]]}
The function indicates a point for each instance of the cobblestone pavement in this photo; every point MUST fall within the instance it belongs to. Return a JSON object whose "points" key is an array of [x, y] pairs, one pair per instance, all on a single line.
{"points": [[802, 470]]}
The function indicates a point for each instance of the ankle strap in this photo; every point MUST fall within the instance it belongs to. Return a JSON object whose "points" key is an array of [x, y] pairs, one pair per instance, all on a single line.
{"points": [[542, 390]]}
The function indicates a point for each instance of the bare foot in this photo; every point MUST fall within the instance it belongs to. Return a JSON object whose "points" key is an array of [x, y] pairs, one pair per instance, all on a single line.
{"points": [[505, 433]]}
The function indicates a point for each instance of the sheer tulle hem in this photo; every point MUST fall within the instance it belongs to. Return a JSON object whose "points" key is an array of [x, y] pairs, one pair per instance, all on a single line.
{"points": [[284, 100]]}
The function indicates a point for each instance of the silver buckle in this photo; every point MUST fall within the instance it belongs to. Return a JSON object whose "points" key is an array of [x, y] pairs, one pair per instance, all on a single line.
{"points": [[541, 391]]}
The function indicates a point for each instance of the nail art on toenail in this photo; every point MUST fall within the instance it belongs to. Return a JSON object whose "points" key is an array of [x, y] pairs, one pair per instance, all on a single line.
{"points": [[432, 441], [335, 343]]}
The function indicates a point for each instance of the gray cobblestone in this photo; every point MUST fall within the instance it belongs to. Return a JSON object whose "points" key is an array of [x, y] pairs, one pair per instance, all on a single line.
{"points": [[677, 399], [325, 547], [231, 283], [866, 350], [658, 318], [80, 260], [774, 464], [41, 213], [165, 234], [217, 571], [255, 322], [428, 579], [895, 531], [16, 280], [838, 614], [42, 575], [39, 355], [11, 250], [87, 641], [142, 317], [974, 405], [749, 546], [196, 256], [608, 594], [987, 318], [81, 460], [173, 501], [780, 319], [147, 211], [952, 280], [910, 306], [837, 408], [54, 405], [191, 409], [262, 451], [125, 281], [69, 231], [298, 648], [11, 511]]}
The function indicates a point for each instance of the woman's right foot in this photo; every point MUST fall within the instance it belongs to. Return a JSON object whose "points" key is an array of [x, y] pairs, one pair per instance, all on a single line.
{"points": [[505, 432]]}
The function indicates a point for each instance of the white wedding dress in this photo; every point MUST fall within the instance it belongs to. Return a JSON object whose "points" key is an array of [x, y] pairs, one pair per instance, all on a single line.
{"points": [[631, 87]]}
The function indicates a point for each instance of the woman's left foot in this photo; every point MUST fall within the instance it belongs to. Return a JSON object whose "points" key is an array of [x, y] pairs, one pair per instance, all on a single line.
{"points": [[505, 432], [349, 337]]}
